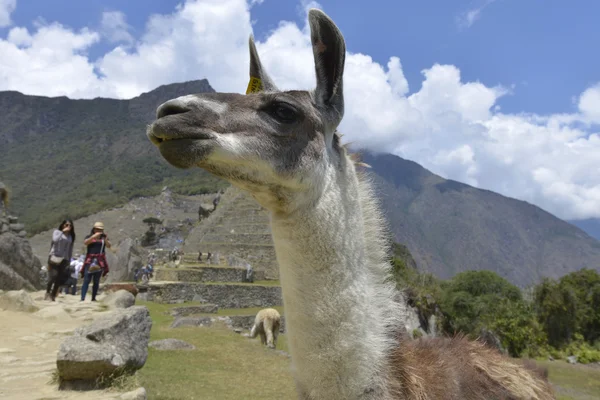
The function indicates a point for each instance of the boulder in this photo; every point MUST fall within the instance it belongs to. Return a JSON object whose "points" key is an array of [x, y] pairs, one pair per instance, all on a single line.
{"points": [[189, 310], [17, 300], [114, 344], [19, 268], [191, 321], [171, 344], [119, 299], [128, 259]]}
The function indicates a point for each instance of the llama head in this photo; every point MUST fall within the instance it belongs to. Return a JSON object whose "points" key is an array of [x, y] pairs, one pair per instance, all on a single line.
{"points": [[269, 142]]}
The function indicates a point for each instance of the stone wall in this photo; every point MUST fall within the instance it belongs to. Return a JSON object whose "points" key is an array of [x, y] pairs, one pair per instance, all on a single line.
{"points": [[205, 274], [223, 295], [239, 227]]}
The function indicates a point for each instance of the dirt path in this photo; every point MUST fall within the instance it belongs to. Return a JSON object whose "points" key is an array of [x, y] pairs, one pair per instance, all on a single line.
{"points": [[29, 344]]}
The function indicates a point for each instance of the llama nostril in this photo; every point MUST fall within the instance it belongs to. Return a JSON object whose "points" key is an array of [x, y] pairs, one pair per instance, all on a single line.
{"points": [[171, 108]]}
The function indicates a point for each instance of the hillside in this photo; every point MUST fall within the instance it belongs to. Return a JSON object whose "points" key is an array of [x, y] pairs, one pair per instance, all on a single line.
{"points": [[78, 157], [69, 157], [451, 227]]}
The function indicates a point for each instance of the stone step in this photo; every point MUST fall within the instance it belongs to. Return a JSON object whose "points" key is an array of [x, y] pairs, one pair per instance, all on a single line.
{"points": [[260, 256], [202, 273], [233, 295]]}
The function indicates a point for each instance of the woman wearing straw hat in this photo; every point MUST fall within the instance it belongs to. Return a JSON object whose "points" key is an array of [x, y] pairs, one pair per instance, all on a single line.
{"points": [[95, 265]]}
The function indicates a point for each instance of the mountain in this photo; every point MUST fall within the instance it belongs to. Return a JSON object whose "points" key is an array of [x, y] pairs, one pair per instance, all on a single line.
{"points": [[63, 157], [591, 226], [451, 227]]}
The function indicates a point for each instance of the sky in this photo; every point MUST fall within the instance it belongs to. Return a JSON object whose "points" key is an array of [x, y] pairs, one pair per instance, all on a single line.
{"points": [[503, 95]]}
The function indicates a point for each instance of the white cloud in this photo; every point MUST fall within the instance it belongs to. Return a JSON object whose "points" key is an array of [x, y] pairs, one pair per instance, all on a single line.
{"points": [[469, 17], [454, 128], [589, 103], [6, 8], [115, 27]]}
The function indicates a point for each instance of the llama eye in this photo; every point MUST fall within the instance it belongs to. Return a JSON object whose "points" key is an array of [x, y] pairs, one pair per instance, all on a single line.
{"points": [[284, 113]]}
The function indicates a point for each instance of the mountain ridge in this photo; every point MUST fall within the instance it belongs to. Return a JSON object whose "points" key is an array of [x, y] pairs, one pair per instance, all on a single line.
{"points": [[65, 157]]}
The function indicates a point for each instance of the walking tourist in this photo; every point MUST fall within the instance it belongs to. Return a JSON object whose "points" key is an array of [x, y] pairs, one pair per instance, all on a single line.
{"points": [[61, 251]]}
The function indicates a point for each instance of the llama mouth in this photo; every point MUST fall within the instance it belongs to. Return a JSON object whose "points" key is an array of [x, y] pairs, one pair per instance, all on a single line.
{"points": [[159, 135]]}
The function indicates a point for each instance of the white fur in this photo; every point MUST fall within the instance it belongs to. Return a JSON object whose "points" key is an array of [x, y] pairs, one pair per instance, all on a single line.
{"points": [[339, 312]]}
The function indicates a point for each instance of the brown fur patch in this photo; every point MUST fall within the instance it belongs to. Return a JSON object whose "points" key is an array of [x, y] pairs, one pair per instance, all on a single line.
{"points": [[457, 368]]}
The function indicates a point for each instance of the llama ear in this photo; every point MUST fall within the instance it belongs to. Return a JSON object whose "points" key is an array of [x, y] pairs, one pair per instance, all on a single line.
{"points": [[259, 80], [329, 51]]}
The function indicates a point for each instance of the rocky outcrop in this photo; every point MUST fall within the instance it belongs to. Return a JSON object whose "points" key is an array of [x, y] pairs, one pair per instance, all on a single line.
{"points": [[128, 259], [114, 344], [19, 268]]}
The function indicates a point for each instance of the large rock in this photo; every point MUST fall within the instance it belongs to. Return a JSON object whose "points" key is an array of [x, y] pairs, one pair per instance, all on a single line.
{"points": [[120, 299], [17, 300], [114, 344], [128, 259], [19, 268]]}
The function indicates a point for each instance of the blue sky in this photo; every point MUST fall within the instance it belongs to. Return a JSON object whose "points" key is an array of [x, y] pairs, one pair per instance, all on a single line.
{"points": [[500, 94], [544, 47]]}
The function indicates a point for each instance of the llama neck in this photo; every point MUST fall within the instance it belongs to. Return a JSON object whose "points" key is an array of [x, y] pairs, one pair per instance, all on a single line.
{"points": [[338, 308]]}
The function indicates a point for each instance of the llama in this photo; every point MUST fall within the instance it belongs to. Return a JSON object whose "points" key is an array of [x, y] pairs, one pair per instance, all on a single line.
{"points": [[266, 324], [283, 148]]}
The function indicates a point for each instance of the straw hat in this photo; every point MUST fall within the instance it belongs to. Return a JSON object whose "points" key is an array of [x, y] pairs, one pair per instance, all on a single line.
{"points": [[99, 225]]}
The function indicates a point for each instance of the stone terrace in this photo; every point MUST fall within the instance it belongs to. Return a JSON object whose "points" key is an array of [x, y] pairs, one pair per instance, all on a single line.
{"points": [[238, 227]]}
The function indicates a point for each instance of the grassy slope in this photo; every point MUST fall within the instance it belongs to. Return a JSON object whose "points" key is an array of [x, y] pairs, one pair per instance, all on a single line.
{"points": [[574, 382], [226, 365]]}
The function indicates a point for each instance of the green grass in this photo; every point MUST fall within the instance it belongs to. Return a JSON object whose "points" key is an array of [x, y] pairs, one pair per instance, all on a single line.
{"points": [[224, 365], [573, 382]]}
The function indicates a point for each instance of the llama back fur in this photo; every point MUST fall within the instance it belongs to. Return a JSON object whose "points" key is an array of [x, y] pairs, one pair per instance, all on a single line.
{"points": [[267, 323], [458, 368]]}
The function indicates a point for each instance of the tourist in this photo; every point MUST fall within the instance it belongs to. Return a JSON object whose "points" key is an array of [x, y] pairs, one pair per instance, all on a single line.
{"points": [[200, 256], [61, 251], [95, 265], [74, 270]]}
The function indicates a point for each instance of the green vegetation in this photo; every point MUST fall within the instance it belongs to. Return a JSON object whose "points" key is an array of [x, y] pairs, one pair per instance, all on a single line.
{"points": [[224, 365], [222, 357], [72, 158], [573, 382], [559, 319]]}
